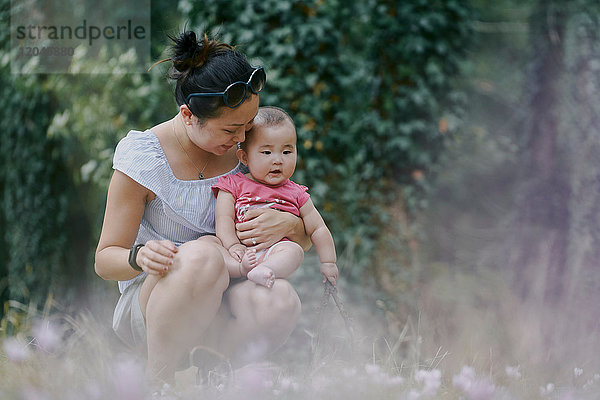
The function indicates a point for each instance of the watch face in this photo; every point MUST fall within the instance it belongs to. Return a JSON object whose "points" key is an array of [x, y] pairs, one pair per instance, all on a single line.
{"points": [[133, 255]]}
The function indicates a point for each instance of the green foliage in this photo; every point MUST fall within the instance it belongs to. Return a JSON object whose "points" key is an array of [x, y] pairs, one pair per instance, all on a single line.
{"points": [[59, 133], [370, 87], [367, 83], [35, 190], [35, 187]]}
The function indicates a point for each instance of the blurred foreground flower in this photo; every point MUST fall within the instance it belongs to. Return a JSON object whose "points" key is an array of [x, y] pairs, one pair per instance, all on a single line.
{"points": [[577, 372], [255, 352], [475, 389], [546, 390], [129, 380], [288, 384], [464, 379], [376, 375], [46, 335], [15, 349], [431, 380], [254, 379], [513, 372]]}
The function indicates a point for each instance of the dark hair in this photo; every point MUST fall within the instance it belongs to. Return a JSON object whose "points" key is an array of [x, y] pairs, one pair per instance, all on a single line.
{"points": [[267, 116], [208, 66]]}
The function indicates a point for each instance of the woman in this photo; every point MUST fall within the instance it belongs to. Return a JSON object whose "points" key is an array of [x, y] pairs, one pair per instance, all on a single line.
{"points": [[158, 238]]}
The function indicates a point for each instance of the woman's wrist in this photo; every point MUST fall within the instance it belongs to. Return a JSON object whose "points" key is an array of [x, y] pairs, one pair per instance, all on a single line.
{"points": [[132, 259]]}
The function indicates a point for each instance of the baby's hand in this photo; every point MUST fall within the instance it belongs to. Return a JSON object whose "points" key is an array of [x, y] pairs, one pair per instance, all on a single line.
{"points": [[237, 251], [329, 272]]}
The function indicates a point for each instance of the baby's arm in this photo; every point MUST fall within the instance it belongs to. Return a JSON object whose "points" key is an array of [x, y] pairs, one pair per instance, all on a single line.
{"points": [[321, 239], [225, 225]]}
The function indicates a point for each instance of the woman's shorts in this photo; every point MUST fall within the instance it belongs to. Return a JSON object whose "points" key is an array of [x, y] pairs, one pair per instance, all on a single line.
{"points": [[128, 320]]}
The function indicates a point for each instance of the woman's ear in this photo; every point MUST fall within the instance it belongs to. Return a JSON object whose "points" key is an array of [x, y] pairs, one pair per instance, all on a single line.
{"points": [[242, 156], [186, 114]]}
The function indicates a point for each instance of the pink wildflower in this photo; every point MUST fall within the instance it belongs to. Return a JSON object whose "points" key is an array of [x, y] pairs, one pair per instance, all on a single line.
{"points": [[254, 378], [464, 379], [255, 351], [395, 380], [546, 390], [475, 389], [413, 395], [431, 381], [287, 384], [379, 377], [372, 369], [513, 372], [16, 350], [375, 374], [46, 336], [129, 380], [480, 390]]}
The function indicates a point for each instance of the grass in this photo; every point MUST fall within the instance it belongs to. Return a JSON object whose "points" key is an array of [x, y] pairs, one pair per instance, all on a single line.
{"points": [[470, 340]]}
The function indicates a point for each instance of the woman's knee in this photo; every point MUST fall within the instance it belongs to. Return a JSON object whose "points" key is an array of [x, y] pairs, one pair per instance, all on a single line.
{"points": [[281, 301], [201, 261]]}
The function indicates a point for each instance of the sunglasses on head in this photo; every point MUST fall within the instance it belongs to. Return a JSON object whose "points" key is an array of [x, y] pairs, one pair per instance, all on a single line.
{"points": [[236, 93]]}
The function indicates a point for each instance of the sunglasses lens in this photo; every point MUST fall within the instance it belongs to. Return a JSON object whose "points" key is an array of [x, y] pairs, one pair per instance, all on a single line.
{"points": [[236, 94], [258, 80]]}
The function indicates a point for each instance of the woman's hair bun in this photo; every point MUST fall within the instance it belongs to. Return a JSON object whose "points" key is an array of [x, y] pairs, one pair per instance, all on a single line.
{"points": [[188, 53], [206, 65]]}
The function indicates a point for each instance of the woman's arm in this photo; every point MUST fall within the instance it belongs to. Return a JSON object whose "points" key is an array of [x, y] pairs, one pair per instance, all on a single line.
{"points": [[268, 226], [124, 210]]}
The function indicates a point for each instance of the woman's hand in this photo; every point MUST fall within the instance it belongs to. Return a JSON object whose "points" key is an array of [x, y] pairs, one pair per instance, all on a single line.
{"points": [[264, 227], [156, 257]]}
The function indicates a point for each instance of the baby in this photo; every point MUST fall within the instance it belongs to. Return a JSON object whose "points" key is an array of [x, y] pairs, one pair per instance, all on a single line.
{"points": [[270, 154]]}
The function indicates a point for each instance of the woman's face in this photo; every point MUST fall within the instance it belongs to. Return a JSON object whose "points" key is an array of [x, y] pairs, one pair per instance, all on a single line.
{"points": [[218, 135]]}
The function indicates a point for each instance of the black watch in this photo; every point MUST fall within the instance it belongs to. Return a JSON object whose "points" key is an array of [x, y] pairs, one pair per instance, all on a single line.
{"points": [[132, 256]]}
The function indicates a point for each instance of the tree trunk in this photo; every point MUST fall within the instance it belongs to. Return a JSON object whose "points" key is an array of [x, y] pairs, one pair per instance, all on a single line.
{"points": [[583, 285], [540, 250]]}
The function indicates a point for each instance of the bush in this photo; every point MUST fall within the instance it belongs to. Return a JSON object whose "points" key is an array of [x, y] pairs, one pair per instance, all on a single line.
{"points": [[370, 87]]}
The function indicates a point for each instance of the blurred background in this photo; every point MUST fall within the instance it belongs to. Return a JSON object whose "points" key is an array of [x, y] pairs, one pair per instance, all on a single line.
{"points": [[451, 146]]}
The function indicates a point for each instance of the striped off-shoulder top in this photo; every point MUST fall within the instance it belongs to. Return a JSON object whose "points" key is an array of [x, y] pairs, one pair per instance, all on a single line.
{"points": [[182, 210]]}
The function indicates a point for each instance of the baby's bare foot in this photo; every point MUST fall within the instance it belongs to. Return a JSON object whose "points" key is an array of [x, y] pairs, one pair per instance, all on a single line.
{"points": [[249, 261], [262, 275]]}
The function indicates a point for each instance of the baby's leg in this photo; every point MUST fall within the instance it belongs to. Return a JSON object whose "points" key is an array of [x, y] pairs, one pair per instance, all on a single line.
{"points": [[282, 261]]}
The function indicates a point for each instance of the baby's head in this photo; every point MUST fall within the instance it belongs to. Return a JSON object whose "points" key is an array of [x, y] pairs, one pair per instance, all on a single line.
{"points": [[269, 150]]}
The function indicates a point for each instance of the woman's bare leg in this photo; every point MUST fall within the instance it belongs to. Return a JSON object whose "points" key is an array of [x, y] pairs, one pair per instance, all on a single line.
{"points": [[181, 305], [254, 320]]}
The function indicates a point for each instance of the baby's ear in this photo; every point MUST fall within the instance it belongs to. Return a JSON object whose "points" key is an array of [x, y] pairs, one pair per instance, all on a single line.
{"points": [[242, 156]]}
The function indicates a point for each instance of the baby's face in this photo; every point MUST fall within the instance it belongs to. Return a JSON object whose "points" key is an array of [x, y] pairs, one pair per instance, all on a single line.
{"points": [[271, 154]]}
